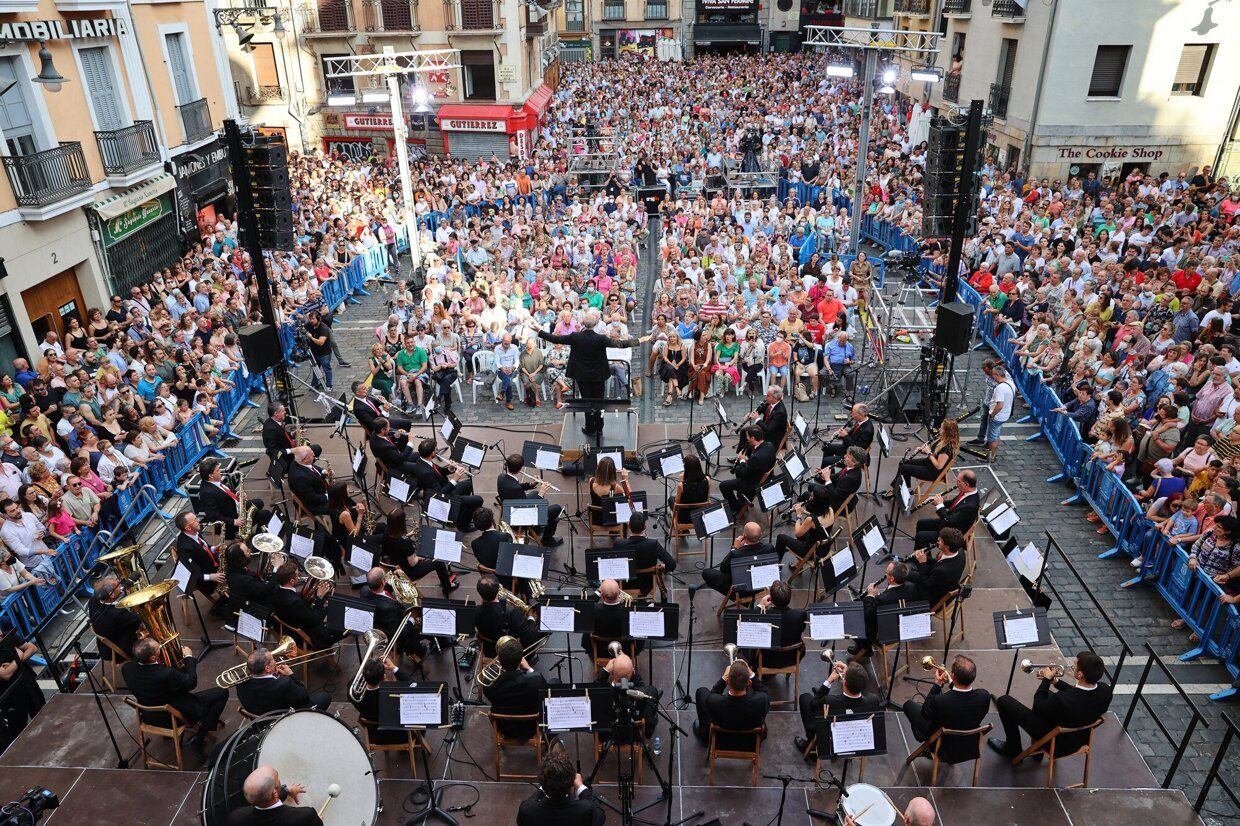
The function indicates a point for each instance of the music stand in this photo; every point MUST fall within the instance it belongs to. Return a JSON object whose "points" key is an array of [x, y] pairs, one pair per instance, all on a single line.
{"points": [[1020, 628], [303, 543], [542, 456], [774, 492], [446, 619], [443, 508], [570, 709], [884, 451], [794, 465], [361, 557], [450, 428], [422, 707], [751, 629], [708, 445], [590, 458], [189, 576], [252, 622], [399, 488], [525, 513], [901, 502], [852, 734], [618, 511], [468, 452], [349, 613], [711, 520], [902, 623], [869, 540], [600, 406], [831, 621], [1000, 518], [840, 567], [440, 544], [609, 563], [654, 621], [359, 464], [522, 561], [568, 615], [801, 427]]}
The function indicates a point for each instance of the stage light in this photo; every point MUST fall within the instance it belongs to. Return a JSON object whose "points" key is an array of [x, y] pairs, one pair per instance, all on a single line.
{"points": [[890, 75], [339, 99], [420, 97], [926, 74], [835, 70]]}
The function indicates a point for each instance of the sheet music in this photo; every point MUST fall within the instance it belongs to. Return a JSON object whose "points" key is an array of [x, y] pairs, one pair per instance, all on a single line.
{"points": [[794, 466], [620, 354], [904, 495], [250, 627], [1026, 561], [355, 619], [398, 489], [646, 624], [616, 567], [1002, 520], [753, 634], [568, 713], [556, 618], [275, 524], [761, 576], [884, 439], [445, 430], [720, 412], [546, 460], [181, 574], [420, 709], [710, 442], [914, 627], [523, 516], [772, 495], [624, 512], [301, 546], [852, 736], [1020, 630], [439, 509], [472, 455], [438, 622], [361, 558], [527, 567], [616, 456], [826, 627], [358, 456], [873, 542], [447, 547], [715, 520], [669, 465], [841, 562], [358, 578]]}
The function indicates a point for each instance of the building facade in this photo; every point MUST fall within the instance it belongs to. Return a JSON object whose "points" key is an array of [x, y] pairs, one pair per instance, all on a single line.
{"points": [[108, 119]]}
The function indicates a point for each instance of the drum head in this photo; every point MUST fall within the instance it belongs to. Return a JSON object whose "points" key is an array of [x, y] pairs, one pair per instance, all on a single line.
{"points": [[316, 750], [873, 804]]}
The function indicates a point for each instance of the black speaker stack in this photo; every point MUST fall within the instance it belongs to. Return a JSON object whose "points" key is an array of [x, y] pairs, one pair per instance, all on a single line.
{"points": [[260, 344], [946, 164], [954, 327], [267, 163]]}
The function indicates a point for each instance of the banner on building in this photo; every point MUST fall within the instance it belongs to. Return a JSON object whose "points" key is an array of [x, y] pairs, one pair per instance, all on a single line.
{"points": [[641, 41]]}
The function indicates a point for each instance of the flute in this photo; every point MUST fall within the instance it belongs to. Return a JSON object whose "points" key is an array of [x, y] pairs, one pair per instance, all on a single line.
{"points": [[541, 482]]}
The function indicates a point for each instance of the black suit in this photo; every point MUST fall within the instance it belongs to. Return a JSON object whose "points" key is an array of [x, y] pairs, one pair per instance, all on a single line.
{"points": [[158, 684], [720, 578], [285, 815], [368, 708], [432, 480], [486, 553], [646, 553], [749, 473], [1069, 706], [497, 618], [366, 410], [716, 705], [892, 595], [190, 549], [791, 623], [310, 485], [218, 506], [773, 419], [118, 625], [244, 587], [588, 367], [517, 692], [395, 454], [540, 810], [609, 624], [277, 442], [859, 434], [960, 513], [292, 610], [388, 616], [844, 483], [949, 708], [934, 580], [259, 695], [824, 700], [509, 487]]}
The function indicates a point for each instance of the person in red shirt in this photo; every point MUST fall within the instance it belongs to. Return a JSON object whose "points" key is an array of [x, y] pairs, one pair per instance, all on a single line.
{"points": [[1188, 278], [816, 329], [830, 311], [982, 279]]}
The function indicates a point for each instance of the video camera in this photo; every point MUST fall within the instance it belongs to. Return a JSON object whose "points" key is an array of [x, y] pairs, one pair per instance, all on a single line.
{"points": [[27, 809]]}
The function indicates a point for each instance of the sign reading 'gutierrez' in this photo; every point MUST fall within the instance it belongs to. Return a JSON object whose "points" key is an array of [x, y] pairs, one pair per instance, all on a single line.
{"points": [[62, 29]]}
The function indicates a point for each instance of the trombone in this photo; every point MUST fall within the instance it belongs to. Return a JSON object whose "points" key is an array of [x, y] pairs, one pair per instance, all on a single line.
{"points": [[239, 674], [493, 669], [1028, 666]]}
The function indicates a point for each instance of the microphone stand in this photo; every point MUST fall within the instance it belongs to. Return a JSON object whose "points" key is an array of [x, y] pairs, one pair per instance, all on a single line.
{"points": [[433, 798], [122, 762], [785, 780], [685, 700]]}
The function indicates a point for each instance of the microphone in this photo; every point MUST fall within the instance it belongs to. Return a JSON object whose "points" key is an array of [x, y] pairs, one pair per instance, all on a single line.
{"points": [[634, 694]]}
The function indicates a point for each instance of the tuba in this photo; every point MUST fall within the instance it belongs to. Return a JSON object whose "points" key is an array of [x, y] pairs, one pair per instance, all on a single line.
{"points": [[151, 605], [318, 569], [493, 669], [375, 639], [127, 563]]}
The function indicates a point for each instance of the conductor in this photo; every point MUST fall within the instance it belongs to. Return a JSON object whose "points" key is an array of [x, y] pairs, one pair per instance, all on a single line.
{"points": [[587, 363]]}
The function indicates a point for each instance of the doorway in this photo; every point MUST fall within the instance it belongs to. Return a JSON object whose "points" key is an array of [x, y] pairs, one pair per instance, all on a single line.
{"points": [[51, 303]]}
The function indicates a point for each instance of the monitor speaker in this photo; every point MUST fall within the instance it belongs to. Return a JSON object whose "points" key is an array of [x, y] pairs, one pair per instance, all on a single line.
{"points": [[954, 326], [260, 344]]}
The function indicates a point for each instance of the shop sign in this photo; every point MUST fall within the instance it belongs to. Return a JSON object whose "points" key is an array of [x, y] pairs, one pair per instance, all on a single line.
{"points": [[126, 224], [62, 29], [506, 74], [1110, 153], [727, 5], [473, 125], [362, 120]]}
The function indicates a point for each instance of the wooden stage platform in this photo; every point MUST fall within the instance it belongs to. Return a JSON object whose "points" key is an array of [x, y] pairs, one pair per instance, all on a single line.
{"points": [[66, 749]]}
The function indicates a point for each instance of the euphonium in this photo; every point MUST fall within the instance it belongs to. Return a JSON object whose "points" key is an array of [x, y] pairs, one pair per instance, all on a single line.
{"points": [[127, 563], [238, 674], [318, 569], [374, 639], [513, 600], [493, 669], [614, 648], [730, 650], [151, 604], [403, 588], [1028, 666]]}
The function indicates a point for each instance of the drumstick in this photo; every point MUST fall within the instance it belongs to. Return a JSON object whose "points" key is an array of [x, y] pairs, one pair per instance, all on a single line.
{"points": [[857, 816], [333, 791]]}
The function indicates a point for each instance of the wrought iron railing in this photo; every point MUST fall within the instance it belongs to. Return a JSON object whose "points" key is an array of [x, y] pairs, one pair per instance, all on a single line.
{"points": [[325, 17], [921, 7], [1007, 8], [128, 149], [46, 177], [472, 15], [195, 120], [957, 6], [999, 95], [951, 88]]}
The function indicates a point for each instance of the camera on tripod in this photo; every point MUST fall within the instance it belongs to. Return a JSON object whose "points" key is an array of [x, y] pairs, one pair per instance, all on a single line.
{"points": [[27, 809]]}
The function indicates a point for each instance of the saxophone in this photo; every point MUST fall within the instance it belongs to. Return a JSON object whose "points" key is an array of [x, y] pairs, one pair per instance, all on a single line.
{"points": [[369, 518], [247, 516]]}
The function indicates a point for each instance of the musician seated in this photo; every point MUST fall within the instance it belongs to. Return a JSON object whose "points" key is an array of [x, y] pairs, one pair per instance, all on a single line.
{"points": [[788, 621], [610, 615], [646, 553], [153, 683], [736, 701], [758, 459], [562, 798], [937, 577], [220, 503], [1069, 706], [368, 410], [497, 617], [400, 550], [961, 707], [747, 543], [308, 482], [277, 441], [117, 625], [245, 586], [518, 689], [266, 797], [486, 545], [859, 432], [928, 461], [389, 612], [898, 588], [271, 687], [843, 690], [293, 610], [814, 520], [510, 487], [434, 481], [191, 547], [840, 484], [620, 673], [392, 449], [960, 513], [374, 674]]}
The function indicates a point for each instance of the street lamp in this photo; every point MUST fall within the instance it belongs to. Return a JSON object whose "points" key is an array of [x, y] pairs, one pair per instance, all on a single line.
{"points": [[49, 76]]}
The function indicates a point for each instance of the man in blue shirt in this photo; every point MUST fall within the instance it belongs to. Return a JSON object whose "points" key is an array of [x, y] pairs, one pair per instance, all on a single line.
{"points": [[840, 355], [149, 382], [24, 374]]}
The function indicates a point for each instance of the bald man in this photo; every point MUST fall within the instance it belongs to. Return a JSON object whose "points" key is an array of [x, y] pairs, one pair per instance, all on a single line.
{"points": [[622, 668], [266, 797], [748, 543], [609, 616], [307, 481], [919, 812]]}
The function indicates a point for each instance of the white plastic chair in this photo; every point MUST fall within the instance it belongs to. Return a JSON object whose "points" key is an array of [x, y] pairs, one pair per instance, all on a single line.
{"points": [[483, 361]]}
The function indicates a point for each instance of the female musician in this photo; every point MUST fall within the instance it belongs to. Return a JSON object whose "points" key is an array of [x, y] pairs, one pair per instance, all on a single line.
{"points": [[816, 518], [930, 459], [694, 488], [346, 522], [400, 550]]}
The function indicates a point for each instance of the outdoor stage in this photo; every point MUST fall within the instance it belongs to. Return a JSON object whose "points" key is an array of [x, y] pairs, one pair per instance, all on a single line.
{"points": [[67, 749]]}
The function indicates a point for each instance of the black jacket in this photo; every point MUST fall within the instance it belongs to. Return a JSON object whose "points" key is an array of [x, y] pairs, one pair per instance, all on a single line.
{"points": [[1069, 706], [725, 565], [217, 506], [509, 487], [191, 550], [388, 612], [859, 435], [118, 625], [792, 623], [276, 439], [486, 547], [646, 553], [392, 451], [539, 810], [285, 815], [587, 356], [609, 621], [431, 479], [517, 692], [893, 594], [934, 580], [292, 610], [496, 619], [775, 425], [366, 411], [158, 684], [261, 695], [750, 472], [246, 587], [310, 485], [960, 710], [962, 516], [842, 485], [748, 711]]}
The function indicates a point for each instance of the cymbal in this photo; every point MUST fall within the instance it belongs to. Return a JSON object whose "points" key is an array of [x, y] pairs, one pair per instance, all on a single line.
{"points": [[147, 594], [119, 552]]}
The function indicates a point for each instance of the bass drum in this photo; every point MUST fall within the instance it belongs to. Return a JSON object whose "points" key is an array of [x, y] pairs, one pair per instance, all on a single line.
{"points": [[307, 747], [868, 806]]}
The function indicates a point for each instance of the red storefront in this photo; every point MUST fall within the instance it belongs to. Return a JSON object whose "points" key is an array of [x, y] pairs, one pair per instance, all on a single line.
{"points": [[483, 130]]}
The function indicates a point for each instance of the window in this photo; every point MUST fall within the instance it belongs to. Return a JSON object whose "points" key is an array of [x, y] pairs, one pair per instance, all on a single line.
{"points": [[1007, 62], [656, 9], [266, 76], [575, 15], [16, 121], [1190, 75], [1108, 76], [179, 63], [337, 85], [613, 9], [101, 85], [478, 68]]}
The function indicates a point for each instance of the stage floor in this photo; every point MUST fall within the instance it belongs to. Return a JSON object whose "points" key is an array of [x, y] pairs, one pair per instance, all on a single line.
{"points": [[67, 750]]}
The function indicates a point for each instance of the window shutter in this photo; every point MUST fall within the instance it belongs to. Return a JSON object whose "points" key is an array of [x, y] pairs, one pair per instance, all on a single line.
{"points": [[178, 65], [15, 115], [103, 98], [1192, 65], [265, 74], [1108, 73]]}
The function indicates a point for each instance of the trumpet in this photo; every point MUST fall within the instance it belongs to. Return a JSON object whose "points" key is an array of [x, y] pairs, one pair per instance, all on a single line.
{"points": [[543, 485], [615, 649], [374, 639], [828, 656], [730, 650], [239, 674], [1028, 666], [493, 669], [928, 664]]}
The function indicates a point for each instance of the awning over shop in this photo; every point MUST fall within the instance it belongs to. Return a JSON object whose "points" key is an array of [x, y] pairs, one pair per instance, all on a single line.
{"points": [[538, 102], [128, 199], [464, 117], [721, 33]]}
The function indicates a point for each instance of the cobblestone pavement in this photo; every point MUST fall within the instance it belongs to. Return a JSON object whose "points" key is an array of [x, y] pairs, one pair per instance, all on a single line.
{"points": [[1022, 468]]}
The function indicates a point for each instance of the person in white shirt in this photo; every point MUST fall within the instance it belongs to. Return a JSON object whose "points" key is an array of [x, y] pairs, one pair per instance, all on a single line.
{"points": [[1002, 401], [507, 361], [23, 534]]}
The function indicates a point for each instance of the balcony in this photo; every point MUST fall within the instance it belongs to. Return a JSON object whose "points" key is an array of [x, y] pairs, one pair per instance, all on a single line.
{"points": [[958, 7], [261, 95], [613, 11], [128, 150], [868, 9], [999, 95], [472, 16], [1009, 10], [195, 120], [47, 178], [913, 8], [951, 88], [394, 16], [327, 18]]}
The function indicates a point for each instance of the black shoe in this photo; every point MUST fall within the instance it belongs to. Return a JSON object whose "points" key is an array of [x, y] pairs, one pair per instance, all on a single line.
{"points": [[1001, 747], [553, 542], [344, 364], [198, 747], [452, 586], [801, 743], [588, 431], [854, 650], [976, 442]]}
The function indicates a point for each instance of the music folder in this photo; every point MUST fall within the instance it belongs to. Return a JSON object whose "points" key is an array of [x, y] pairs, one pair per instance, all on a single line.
{"points": [[666, 462], [450, 428], [1000, 518], [751, 628], [609, 563], [774, 492], [591, 458], [829, 621], [794, 465], [447, 618], [399, 488], [1022, 628], [540, 456], [469, 453], [712, 519], [904, 623], [868, 538], [852, 734], [653, 621], [754, 572], [443, 508], [565, 614], [441, 544], [522, 560], [349, 613], [413, 706], [617, 510], [707, 443], [530, 512]]}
